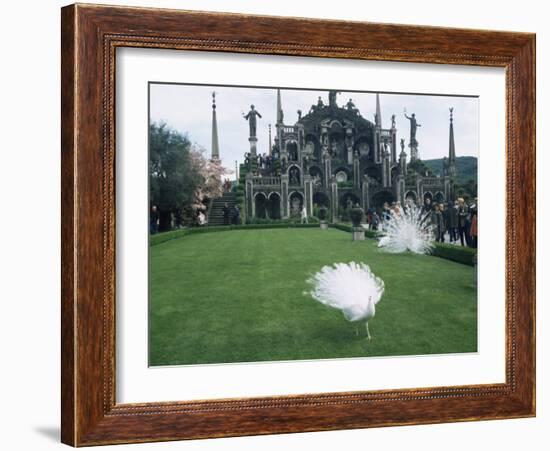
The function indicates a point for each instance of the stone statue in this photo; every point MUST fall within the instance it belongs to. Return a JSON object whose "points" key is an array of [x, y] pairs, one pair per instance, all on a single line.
{"points": [[320, 103], [295, 206], [350, 105], [294, 176], [393, 121], [445, 166], [333, 146], [414, 125], [299, 114], [332, 99], [402, 145], [251, 118]]}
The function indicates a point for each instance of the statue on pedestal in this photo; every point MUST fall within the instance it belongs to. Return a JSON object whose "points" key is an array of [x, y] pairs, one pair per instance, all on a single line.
{"points": [[251, 118], [414, 125], [332, 99], [351, 106]]}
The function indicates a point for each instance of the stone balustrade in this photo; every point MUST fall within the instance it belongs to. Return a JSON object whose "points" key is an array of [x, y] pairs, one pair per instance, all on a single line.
{"points": [[266, 181]]}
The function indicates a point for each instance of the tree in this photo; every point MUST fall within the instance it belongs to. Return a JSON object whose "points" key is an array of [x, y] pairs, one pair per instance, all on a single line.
{"points": [[173, 181], [211, 172]]}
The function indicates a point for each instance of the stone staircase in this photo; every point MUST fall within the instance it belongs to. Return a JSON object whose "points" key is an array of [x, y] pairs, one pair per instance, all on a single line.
{"points": [[215, 217]]}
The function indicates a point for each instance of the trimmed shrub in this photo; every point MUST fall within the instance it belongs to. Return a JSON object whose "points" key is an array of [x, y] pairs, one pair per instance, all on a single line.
{"points": [[293, 220], [459, 254], [167, 236], [372, 233], [343, 227], [175, 234]]}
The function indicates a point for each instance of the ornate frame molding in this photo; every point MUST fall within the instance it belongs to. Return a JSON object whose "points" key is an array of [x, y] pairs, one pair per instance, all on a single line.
{"points": [[90, 36]]}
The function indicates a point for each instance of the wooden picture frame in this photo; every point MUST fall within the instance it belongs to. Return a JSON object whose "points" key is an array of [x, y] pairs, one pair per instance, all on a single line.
{"points": [[90, 36]]}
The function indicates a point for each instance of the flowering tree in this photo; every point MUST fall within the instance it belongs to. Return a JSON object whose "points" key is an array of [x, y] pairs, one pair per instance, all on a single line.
{"points": [[211, 172]]}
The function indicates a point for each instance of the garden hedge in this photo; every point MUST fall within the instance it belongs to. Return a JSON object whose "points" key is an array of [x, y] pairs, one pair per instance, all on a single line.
{"points": [[174, 234], [459, 254]]}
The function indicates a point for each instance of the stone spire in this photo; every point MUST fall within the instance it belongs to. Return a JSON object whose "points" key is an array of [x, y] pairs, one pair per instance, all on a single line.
{"points": [[215, 143], [452, 154], [279, 108], [270, 145], [378, 112]]}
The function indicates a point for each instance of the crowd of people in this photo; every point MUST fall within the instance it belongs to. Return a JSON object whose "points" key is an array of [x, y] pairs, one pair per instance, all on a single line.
{"points": [[452, 222], [231, 214], [264, 162]]}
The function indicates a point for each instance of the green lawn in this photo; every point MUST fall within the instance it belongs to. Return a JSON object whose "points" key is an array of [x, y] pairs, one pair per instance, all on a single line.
{"points": [[237, 296]]}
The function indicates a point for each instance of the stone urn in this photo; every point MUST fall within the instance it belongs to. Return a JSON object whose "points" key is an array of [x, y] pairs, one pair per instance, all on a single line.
{"points": [[356, 215], [323, 224]]}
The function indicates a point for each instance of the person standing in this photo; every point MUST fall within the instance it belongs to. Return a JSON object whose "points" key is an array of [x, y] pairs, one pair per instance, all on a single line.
{"points": [[473, 226], [440, 223], [225, 214], [443, 212], [369, 218], [451, 220], [304, 215], [154, 219], [201, 218], [427, 207], [375, 220], [463, 232], [237, 215]]}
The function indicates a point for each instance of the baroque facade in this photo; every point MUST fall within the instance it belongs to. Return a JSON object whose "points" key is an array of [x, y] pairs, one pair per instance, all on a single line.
{"points": [[334, 157]]}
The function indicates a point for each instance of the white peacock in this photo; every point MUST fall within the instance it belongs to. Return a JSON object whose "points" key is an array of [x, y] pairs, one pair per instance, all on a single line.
{"points": [[349, 287], [408, 229]]}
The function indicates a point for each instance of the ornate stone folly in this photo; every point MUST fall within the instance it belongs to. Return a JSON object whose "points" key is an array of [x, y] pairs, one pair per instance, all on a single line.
{"points": [[334, 157]]}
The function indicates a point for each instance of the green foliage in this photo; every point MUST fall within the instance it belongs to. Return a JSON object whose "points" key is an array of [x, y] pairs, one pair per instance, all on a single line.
{"points": [[172, 179], [466, 169], [343, 227], [243, 170], [278, 167], [240, 197], [419, 166], [344, 214], [459, 254]]}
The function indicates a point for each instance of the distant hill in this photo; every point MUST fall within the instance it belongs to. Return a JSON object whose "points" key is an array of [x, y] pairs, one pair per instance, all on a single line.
{"points": [[466, 168]]}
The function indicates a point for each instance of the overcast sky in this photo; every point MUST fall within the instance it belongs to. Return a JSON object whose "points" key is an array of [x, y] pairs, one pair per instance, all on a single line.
{"points": [[188, 109]]}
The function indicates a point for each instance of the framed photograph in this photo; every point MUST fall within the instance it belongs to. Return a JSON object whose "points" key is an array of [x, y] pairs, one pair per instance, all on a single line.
{"points": [[269, 231]]}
